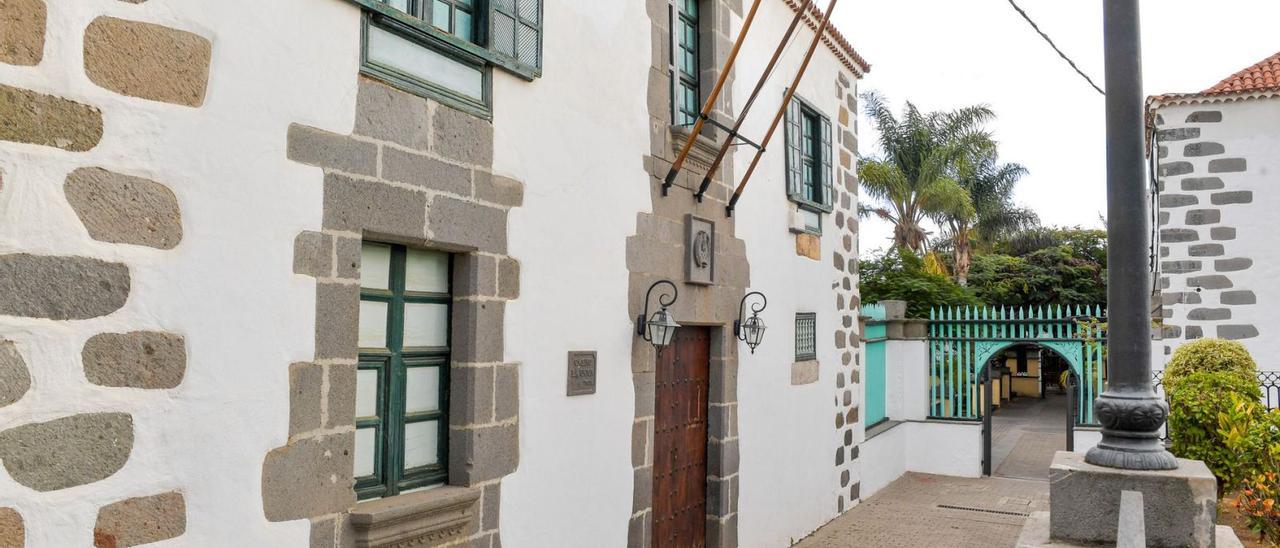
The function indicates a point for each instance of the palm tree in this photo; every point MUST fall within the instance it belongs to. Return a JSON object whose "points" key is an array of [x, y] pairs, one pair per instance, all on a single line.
{"points": [[994, 216], [916, 175]]}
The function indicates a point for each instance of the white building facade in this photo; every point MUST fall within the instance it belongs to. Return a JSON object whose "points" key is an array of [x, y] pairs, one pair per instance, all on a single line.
{"points": [[360, 273]]}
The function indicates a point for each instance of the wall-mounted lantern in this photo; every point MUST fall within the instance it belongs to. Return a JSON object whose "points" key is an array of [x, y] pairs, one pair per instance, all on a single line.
{"points": [[661, 327], [751, 330]]}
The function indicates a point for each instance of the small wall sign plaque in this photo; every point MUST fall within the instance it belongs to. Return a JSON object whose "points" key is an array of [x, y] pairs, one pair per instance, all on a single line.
{"points": [[700, 251], [582, 373]]}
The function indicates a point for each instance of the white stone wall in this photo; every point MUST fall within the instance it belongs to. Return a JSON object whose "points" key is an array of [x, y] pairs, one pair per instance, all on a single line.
{"points": [[1217, 208]]}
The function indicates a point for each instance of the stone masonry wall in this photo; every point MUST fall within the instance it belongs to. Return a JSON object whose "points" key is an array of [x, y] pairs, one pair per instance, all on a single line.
{"points": [[45, 295], [848, 398], [1201, 286]]}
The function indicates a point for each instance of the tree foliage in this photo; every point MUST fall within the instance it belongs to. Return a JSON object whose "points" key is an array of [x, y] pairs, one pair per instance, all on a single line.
{"points": [[899, 274], [1053, 275]]}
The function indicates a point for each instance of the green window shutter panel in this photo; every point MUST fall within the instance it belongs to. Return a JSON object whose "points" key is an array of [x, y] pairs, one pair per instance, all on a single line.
{"points": [[515, 31], [794, 134], [827, 180]]}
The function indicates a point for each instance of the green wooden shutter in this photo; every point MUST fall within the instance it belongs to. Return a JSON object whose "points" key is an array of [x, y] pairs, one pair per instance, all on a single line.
{"points": [[794, 134], [515, 32], [827, 152]]}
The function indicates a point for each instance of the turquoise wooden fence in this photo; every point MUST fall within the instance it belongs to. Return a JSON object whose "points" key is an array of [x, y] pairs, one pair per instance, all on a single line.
{"points": [[964, 340], [874, 377]]}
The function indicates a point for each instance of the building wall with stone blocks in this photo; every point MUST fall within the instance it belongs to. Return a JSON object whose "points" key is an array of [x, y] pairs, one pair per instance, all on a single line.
{"points": [[183, 191], [1216, 210]]}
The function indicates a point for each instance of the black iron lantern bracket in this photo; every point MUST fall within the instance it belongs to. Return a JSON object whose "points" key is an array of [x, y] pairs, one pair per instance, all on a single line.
{"points": [[750, 330], [662, 321]]}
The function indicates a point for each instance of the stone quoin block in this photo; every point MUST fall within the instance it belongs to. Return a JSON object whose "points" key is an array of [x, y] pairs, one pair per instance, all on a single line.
{"points": [[342, 396], [124, 209], [1204, 117], [508, 278], [316, 147], [309, 477], [141, 520], [1202, 183], [506, 404], [1232, 265], [67, 452], [22, 24], [1237, 332], [61, 288], [475, 275], [497, 189], [147, 61], [1203, 216], [477, 455], [15, 380], [1213, 281], [1238, 297], [1228, 165], [140, 359], [1179, 134], [462, 137], [1180, 267], [471, 399], [1233, 197], [1170, 332], [1164, 218], [1176, 297], [1174, 235], [1209, 314], [306, 390], [1222, 233], [426, 172], [464, 223], [1194, 332], [477, 331], [35, 118], [388, 114], [357, 205], [1206, 250], [1177, 200], [337, 321], [313, 254], [1173, 169], [12, 531], [1194, 150]]}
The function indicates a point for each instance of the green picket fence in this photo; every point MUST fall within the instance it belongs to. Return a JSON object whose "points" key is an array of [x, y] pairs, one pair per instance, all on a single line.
{"points": [[963, 340], [874, 376]]}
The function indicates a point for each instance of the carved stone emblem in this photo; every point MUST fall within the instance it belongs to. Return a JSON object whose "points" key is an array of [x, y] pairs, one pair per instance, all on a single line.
{"points": [[700, 250]]}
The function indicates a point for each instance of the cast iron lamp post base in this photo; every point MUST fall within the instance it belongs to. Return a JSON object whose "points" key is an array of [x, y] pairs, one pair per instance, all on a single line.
{"points": [[1131, 431]]}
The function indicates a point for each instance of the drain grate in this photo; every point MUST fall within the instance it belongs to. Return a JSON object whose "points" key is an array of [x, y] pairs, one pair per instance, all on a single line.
{"points": [[984, 510]]}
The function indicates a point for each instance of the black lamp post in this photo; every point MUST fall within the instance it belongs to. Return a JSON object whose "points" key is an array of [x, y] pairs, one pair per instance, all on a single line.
{"points": [[751, 330], [1129, 410], [661, 327]]}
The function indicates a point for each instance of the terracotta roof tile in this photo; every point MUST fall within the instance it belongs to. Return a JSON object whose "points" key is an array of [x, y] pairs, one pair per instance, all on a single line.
{"points": [[1261, 79], [835, 41]]}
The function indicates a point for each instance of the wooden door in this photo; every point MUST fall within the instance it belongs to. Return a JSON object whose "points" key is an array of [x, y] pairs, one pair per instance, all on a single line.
{"points": [[680, 440]]}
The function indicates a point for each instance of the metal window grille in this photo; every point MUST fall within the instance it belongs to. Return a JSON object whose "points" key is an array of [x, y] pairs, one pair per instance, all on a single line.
{"points": [[806, 336]]}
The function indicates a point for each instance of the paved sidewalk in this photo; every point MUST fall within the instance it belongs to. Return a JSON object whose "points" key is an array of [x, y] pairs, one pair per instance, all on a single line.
{"points": [[920, 510], [1026, 432]]}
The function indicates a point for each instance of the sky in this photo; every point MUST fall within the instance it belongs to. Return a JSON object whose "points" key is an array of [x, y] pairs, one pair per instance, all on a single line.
{"points": [[945, 54]]}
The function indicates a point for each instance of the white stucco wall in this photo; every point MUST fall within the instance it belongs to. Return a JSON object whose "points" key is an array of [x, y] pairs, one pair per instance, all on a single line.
{"points": [[242, 204], [910, 366], [1247, 130], [884, 459]]}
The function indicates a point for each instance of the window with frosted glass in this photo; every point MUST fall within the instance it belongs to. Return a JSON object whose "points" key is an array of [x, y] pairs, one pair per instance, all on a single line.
{"points": [[403, 372], [686, 96]]}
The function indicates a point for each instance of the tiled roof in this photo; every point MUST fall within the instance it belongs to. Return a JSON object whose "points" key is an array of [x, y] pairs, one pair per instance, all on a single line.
{"points": [[835, 41], [1259, 80]]}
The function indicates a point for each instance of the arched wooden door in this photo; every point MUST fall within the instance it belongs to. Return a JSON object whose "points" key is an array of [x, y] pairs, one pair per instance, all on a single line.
{"points": [[681, 389]]}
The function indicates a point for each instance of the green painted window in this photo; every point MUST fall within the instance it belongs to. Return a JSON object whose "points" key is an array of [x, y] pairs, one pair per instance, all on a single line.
{"points": [[686, 94], [809, 158], [456, 17], [806, 336], [402, 380]]}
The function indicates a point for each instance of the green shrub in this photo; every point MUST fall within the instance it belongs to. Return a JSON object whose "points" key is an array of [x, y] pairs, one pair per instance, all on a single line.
{"points": [[1207, 356], [1195, 405], [1253, 434]]}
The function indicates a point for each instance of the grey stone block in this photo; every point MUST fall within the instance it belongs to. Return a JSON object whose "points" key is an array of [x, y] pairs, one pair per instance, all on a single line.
{"points": [[1222, 233], [645, 384], [1177, 200], [640, 435], [1209, 314], [358, 206], [724, 381], [1212, 281], [1164, 218], [1203, 216], [1175, 235], [15, 380], [471, 395], [1180, 267], [337, 320], [477, 455], [388, 114], [61, 288], [123, 209], [1205, 250], [1202, 183], [346, 252], [508, 278], [723, 458], [1170, 332], [642, 487], [1238, 297], [1233, 197], [1175, 297], [1203, 149], [722, 496], [1237, 332], [1173, 169], [638, 531], [1194, 332], [1228, 165], [1204, 117], [323, 149], [468, 224], [313, 254], [506, 404], [1180, 505], [462, 137], [478, 331], [500, 190], [47, 120], [475, 275], [306, 389], [342, 396], [1232, 265], [426, 172], [723, 532], [67, 452], [139, 359], [490, 504], [1179, 134], [141, 520], [309, 477]]}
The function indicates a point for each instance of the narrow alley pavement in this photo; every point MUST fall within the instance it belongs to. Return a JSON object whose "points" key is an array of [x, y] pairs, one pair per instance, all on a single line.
{"points": [[941, 511]]}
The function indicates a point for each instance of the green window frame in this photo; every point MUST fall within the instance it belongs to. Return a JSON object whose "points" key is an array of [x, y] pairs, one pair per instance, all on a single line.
{"points": [[806, 336], [809, 156], [402, 423], [685, 64]]}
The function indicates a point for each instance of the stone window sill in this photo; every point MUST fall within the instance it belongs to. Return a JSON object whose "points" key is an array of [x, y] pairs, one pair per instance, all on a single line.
{"points": [[804, 372], [431, 517], [704, 148]]}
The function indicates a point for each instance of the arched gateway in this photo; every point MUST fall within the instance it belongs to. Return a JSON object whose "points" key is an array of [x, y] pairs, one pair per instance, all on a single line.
{"points": [[964, 341]]}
